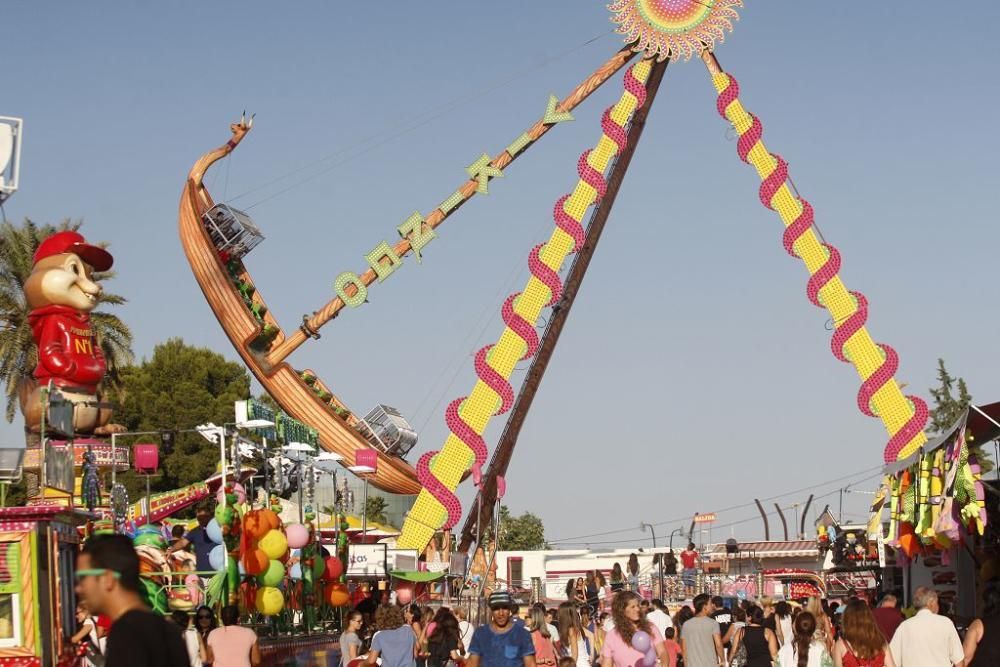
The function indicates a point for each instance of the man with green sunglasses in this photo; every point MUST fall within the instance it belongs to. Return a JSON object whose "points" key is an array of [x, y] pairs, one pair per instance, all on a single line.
{"points": [[107, 579]]}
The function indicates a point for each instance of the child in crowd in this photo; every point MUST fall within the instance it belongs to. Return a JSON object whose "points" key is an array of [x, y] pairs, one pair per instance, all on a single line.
{"points": [[673, 648]]}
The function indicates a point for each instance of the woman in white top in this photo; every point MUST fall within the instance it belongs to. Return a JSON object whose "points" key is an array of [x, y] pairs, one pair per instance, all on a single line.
{"points": [[88, 629], [801, 650], [192, 640], [783, 622], [577, 641]]}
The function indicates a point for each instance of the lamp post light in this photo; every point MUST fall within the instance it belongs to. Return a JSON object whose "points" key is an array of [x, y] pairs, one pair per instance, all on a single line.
{"points": [[659, 560], [299, 452], [257, 424], [363, 472], [675, 531], [329, 462], [114, 445]]}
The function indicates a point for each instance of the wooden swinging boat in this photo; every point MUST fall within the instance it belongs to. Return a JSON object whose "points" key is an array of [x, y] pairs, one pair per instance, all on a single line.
{"points": [[257, 336]]}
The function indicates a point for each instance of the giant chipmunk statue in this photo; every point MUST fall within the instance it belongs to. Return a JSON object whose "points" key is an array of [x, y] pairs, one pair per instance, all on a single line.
{"points": [[60, 293]]}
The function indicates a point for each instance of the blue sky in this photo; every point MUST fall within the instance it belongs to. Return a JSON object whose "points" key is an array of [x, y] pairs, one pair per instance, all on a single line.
{"points": [[693, 374]]}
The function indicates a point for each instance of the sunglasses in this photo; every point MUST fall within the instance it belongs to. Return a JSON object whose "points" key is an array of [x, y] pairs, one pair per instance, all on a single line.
{"points": [[80, 574]]}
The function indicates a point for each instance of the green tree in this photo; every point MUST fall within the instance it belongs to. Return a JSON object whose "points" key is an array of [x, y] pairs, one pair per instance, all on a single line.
{"points": [[948, 407], [520, 533], [375, 509], [178, 388], [18, 354]]}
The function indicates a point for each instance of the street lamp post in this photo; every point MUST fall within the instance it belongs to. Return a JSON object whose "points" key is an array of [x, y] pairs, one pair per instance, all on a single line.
{"points": [[363, 472], [675, 531], [299, 452], [659, 560], [255, 424]]}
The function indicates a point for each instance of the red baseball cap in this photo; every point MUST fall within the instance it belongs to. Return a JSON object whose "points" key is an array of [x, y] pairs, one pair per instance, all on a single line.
{"points": [[63, 242]]}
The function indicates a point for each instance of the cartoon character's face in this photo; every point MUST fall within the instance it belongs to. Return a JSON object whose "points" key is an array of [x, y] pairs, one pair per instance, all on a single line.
{"points": [[62, 280]]}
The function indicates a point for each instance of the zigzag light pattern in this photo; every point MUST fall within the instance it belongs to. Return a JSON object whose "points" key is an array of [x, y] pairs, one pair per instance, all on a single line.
{"points": [[437, 506], [904, 417]]}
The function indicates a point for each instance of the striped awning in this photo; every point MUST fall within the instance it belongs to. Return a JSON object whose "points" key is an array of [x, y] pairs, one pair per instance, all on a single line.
{"points": [[773, 549]]}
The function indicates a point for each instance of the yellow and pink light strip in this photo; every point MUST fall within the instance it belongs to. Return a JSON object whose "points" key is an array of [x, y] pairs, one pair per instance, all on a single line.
{"points": [[880, 396], [437, 506]]}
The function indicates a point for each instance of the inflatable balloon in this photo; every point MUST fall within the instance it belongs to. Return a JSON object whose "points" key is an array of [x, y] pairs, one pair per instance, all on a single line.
{"points": [[217, 557], [224, 515], [649, 658], [255, 561], [273, 575], [318, 568], [336, 595], [214, 532], [641, 641], [269, 601], [257, 523], [333, 568], [404, 592], [297, 534], [295, 572], [273, 544]]}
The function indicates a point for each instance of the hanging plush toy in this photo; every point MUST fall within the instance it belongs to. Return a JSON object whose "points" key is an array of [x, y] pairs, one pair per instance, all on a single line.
{"points": [[908, 541]]}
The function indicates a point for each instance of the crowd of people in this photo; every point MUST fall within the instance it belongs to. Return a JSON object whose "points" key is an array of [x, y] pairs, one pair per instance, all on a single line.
{"points": [[617, 629], [626, 630]]}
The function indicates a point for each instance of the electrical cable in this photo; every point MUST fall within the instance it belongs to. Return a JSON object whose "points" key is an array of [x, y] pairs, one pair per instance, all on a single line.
{"points": [[721, 511], [381, 138]]}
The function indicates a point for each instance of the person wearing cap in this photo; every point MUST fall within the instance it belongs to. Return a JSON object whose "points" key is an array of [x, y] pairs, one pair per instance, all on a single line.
{"points": [[501, 642]]}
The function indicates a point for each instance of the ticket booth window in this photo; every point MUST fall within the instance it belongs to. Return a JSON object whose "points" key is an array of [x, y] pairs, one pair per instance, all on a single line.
{"points": [[10, 595]]}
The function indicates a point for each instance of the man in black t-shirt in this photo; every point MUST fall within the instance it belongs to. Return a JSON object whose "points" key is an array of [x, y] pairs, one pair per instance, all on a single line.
{"points": [[107, 579], [722, 615]]}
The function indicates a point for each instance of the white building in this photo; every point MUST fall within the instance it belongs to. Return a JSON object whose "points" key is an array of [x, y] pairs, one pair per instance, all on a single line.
{"points": [[552, 569]]}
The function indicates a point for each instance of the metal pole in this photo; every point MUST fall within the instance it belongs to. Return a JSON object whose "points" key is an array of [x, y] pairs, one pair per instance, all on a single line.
{"points": [[221, 432], [658, 560], [267, 478], [149, 506], [114, 462], [364, 514], [299, 468]]}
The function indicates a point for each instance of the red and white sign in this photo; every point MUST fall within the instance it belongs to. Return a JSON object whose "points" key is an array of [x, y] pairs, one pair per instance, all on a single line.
{"points": [[704, 518]]}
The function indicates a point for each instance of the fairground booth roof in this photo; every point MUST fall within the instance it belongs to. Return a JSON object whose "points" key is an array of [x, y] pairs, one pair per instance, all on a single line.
{"points": [[771, 549]]}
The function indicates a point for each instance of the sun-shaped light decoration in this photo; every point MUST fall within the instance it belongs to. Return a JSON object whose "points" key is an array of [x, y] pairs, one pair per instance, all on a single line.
{"points": [[674, 28]]}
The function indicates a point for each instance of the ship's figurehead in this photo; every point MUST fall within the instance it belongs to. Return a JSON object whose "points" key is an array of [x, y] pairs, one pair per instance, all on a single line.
{"points": [[60, 294]]}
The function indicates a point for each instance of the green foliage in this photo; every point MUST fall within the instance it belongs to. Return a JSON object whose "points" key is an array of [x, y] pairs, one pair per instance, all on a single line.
{"points": [[375, 509], [948, 408], [179, 388], [18, 355], [520, 533]]}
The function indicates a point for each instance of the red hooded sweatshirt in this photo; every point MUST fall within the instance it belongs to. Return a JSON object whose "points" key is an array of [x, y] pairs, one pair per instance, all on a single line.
{"points": [[68, 353]]}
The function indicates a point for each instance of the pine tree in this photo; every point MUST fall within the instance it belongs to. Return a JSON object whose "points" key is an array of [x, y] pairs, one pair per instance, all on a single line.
{"points": [[948, 408]]}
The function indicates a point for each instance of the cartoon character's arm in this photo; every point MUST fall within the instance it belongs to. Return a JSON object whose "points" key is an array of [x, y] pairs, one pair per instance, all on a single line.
{"points": [[51, 351]]}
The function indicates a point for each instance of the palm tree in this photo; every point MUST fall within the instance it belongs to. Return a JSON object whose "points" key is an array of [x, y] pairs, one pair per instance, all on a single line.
{"points": [[18, 354]]}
